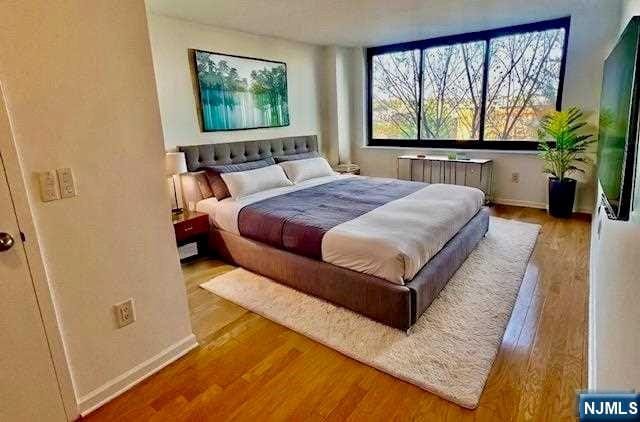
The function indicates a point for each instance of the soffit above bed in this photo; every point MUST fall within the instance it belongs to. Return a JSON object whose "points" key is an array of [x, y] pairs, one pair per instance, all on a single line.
{"points": [[356, 23]]}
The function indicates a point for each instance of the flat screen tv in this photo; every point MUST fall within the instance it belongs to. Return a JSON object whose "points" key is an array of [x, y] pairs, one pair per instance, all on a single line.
{"points": [[618, 131]]}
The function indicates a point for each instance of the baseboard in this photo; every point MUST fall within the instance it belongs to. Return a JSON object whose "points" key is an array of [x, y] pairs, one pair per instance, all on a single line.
{"points": [[520, 203], [533, 204], [111, 389], [591, 330]]}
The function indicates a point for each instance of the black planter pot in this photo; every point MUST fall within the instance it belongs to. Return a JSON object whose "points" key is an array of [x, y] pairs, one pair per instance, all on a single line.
{"points": [[561, 197]]}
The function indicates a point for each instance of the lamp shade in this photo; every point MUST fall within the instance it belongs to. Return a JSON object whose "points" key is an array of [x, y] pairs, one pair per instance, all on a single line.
{"points": [[175, 163]]}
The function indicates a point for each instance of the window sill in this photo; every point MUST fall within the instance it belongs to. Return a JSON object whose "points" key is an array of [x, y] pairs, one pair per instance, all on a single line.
{"points": [[485, 151]]}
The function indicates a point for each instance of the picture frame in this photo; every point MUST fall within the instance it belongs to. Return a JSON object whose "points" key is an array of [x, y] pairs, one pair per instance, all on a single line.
{"points": [[239, 92]]}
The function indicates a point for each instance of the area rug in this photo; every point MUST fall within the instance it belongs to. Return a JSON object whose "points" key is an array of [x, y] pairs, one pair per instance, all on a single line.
{"points": [[450, 349]]}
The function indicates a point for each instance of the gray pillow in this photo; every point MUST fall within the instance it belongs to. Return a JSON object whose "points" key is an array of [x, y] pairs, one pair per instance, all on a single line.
{"points": [[218, 186], [301, 156]]}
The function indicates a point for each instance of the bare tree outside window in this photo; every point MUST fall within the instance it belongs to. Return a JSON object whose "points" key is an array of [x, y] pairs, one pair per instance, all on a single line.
{"points": [[395, 95], [524, 73], [452, 91], [492, 85]]}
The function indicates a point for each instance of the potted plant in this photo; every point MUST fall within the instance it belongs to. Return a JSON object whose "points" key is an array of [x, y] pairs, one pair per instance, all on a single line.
{"points": [[570, 143]]}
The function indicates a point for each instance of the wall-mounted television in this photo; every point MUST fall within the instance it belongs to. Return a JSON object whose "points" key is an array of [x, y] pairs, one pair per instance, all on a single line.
{"points": [[618, 132]]}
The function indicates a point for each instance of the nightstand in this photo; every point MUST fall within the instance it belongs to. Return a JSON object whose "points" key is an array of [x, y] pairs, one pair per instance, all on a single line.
{"points": [[347, 168], [191, 227]]}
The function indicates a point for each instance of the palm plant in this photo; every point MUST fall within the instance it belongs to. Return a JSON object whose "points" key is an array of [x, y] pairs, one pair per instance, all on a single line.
{"points": [[567, 130]]}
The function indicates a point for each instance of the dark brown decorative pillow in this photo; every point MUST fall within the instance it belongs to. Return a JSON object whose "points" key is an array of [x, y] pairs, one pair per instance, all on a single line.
{"points": [[218, 186], [203, 186], [292, 157]]}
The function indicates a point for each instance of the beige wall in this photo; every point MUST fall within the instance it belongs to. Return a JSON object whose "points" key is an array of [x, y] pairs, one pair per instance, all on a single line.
{"points": [[170, 41], [80, 90], [593, 25], [614, 293]]}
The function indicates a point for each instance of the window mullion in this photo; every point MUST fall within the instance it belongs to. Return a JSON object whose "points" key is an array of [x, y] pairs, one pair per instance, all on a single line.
{"points": [[420, 87], [485, 84]]}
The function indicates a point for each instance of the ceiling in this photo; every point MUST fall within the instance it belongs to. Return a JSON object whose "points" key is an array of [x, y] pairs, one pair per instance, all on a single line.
{"points": [[364, 22]]}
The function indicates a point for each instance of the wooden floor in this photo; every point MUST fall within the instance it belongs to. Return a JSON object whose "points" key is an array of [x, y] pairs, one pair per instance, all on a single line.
{"points": [[249, 368]]}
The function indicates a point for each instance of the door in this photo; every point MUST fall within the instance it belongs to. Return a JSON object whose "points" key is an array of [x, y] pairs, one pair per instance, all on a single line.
{"points": [[28, 388]]}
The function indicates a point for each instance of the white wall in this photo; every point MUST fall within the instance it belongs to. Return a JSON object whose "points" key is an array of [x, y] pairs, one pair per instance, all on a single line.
{"points": [[593, 25], [337, 103], [330, 94], [614, 314], [80, 90], [170, 41]]}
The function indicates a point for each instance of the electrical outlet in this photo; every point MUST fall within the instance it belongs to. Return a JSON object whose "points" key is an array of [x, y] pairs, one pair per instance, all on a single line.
{"points": [[125, 313], [65, 180], [48, 186], [515, 177]]}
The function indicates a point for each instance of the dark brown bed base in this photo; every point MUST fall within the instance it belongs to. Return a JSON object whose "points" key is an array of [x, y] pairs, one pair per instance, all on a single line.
{"points": [[391, 304]]}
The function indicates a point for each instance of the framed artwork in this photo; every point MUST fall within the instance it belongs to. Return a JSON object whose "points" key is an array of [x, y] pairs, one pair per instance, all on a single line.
{"points": [[238, 92]]}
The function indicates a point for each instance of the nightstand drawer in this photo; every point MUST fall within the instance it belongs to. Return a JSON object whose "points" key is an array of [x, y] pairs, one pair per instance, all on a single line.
{"points": [[191, 228]]}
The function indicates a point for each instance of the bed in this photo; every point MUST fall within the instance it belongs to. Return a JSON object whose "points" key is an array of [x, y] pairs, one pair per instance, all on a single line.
{"points": [[381, 247]]}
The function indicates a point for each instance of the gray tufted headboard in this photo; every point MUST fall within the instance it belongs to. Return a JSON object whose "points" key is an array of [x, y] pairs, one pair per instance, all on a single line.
{"points": [[239, 152], [198, 156]]}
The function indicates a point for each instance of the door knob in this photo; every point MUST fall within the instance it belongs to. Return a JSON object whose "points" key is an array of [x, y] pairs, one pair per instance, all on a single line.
{"points": [[6, 242]]}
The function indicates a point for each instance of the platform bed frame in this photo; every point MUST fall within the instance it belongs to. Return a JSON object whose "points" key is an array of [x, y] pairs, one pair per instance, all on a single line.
{"points": [[395, 305]]}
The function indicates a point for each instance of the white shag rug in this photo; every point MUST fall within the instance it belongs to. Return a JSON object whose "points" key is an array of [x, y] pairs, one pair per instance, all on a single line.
{"points": [[452, 346]]}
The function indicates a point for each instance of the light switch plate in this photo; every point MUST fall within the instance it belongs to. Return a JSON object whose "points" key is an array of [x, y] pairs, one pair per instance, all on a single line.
{"points": [[67, 185], [48, 186]]}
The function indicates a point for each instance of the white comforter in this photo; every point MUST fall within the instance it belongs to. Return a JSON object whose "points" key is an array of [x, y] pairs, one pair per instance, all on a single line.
{"points": [[393, 241]]}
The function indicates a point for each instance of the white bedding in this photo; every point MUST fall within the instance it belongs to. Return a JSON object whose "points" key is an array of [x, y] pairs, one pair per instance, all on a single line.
{"points": [[392, 242], [208, 206]]}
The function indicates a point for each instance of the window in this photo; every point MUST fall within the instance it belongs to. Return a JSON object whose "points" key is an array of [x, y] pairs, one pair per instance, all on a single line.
{"points": [[395, 94], [480, 90], [452, 91]]}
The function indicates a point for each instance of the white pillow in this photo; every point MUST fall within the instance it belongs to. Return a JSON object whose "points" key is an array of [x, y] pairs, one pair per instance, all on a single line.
{"points": [[243, 183], [310, 168]]}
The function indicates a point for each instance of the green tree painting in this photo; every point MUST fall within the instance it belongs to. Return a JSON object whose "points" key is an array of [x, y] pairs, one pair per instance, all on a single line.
{"points": [[241, 93]]}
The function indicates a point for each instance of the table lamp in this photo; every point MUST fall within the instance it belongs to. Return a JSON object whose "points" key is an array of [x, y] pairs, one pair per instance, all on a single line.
{"points": [[175, 163]]}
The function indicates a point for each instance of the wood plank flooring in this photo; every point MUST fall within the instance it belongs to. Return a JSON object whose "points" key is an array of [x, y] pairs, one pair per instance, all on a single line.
{"points": [[249, 368]]}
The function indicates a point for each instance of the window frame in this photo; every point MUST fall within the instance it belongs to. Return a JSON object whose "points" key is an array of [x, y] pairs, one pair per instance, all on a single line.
{"points": [[486, 36]]}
